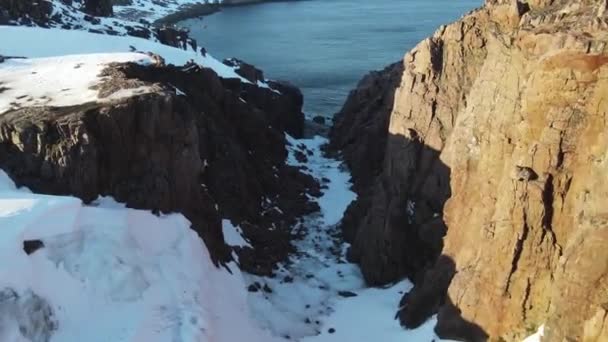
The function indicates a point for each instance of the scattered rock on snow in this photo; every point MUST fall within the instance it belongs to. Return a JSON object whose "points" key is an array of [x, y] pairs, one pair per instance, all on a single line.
{"points": [[347, 294], [31, 246]]}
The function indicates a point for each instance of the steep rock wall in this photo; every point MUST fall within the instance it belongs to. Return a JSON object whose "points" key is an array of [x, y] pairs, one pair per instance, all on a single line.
{"points": [[497, 139]]}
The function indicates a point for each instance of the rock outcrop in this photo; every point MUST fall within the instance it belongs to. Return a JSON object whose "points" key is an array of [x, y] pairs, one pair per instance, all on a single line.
{"points": [[191, 145], [488, 190], [29, 10], [283, 104], [100, 8]]}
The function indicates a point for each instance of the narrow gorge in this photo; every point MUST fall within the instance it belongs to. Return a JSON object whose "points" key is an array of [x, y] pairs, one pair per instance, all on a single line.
{"points": [[459, 194]]}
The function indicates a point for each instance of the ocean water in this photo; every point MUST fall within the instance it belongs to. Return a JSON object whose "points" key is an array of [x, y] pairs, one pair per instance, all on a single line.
{"points": [[324, 46]]}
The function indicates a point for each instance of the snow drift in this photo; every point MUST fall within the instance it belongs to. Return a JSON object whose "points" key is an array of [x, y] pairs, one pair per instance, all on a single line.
{"points": [[108, 273]]}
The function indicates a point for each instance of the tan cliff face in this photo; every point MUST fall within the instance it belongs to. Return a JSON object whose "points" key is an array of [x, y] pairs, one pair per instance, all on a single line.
{"points": [[508, 106]]}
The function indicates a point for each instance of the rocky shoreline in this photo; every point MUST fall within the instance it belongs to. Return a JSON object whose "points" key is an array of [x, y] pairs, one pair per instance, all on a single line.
{"points": [[201, 10]]}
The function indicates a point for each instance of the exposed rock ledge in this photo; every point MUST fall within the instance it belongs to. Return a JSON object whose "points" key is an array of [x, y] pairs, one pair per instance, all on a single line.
{"points": [[192, 145], [480, 161]]}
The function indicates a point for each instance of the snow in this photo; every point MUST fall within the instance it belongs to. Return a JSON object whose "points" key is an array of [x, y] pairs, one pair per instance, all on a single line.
{"points": [[318, 290], [60, 81], [233, 235], [370, 317], [62, 66], [537, 336], [57, 42], [114, 274], [338, 196]]}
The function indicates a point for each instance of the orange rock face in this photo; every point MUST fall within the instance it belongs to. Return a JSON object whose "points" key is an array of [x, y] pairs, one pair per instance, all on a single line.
{"points": [[513, 99]]}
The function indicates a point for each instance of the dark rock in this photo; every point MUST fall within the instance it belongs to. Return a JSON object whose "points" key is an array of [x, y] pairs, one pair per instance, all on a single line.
{"points": [[360, 129], [100, 8], [347, 294], [245, 70], [37, 12], [319, 119], [92, 20], [300, 157], [31, 246], [253, 288], [331, 330], [138, 31], [182, 154], [282, 107], [173, 37], [267, 288]]}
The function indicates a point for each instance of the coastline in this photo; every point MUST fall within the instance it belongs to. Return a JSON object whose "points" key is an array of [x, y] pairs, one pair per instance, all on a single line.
{"points": [[189, 12], [201, 10]]}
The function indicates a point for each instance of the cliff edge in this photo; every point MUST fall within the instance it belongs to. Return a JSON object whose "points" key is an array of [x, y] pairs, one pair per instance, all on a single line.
{"points": [[479, 161]]}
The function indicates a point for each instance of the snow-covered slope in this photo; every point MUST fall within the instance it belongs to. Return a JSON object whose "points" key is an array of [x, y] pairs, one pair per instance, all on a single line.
{"points": [[61, 81], [133, 20], [62, 66], [108, 273], [34, 42]]}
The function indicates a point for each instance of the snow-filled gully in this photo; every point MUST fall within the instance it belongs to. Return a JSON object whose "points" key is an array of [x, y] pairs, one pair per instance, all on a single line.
{"points": [[318, 296]]}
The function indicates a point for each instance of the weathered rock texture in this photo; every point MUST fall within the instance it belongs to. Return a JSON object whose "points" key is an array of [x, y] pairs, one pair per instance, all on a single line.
{"points": [[283, 105], [496, 138], [205, 153], [37, 11]]}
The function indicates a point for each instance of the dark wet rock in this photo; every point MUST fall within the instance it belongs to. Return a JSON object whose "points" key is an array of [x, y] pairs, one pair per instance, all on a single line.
{"points": [[31, 246], [300, 157], [331, 330], [319, 119], [347, 294]]}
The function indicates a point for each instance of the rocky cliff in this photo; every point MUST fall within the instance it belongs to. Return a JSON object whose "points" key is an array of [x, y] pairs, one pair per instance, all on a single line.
{"points": [[480, 161], [191, 144]]}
